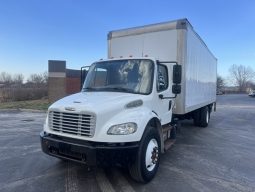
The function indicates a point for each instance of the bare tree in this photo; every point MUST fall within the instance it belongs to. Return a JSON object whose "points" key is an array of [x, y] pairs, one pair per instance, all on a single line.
{"points": [[241, 75], [37, 79], [15, 90], [5, 78], [220, 82], [45, 77], [18, 79]]}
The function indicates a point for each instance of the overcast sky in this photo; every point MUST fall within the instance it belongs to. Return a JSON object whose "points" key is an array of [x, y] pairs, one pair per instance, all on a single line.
{"points": [[35, 31]]}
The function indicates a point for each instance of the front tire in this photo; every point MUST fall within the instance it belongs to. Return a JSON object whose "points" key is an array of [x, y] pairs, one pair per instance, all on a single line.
{"points": [[146, 162]]}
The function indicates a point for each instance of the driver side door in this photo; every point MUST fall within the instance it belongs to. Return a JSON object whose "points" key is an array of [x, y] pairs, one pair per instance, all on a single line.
{"points": [[164, 89]]}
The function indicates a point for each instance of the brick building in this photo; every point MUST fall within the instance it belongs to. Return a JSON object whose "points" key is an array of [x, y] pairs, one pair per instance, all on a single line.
{"points": [[62, 81]]}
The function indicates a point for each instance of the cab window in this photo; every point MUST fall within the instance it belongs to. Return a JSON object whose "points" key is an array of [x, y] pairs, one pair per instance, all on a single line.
{"points": [[162, 78]]}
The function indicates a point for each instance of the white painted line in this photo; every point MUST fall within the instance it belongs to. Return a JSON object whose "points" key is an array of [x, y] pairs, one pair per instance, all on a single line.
{"points": [[103, 182], [122, 182], [71, 184]]}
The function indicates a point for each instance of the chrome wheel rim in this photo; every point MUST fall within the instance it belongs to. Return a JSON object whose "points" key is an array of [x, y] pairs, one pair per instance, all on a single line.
{"points": [[151, 156]]}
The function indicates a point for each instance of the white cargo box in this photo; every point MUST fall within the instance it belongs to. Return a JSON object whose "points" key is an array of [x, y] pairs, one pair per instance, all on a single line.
{"points": [[172, 41]]}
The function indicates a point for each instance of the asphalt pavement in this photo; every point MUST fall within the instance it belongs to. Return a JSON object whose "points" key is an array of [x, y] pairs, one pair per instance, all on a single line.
{"points": [[218, 158]]}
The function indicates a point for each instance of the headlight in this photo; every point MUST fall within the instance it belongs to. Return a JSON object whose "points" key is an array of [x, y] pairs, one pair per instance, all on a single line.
{"points": [[122, 129]]}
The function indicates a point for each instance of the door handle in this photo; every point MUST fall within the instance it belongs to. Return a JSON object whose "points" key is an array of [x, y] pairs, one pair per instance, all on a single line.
{"points": [[170, 105]]}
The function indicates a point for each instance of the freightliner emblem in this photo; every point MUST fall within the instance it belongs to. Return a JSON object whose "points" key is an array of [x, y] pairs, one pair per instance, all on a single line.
{"points": [[70, 108]]}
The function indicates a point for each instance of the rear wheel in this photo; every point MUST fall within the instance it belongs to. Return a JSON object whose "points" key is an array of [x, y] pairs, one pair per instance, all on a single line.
{"points": [[196, 117], [205, 116], [146, 163], [201, 117]]}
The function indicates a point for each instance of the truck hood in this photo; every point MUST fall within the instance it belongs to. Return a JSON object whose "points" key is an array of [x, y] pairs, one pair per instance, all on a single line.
{"points": [[96, 102]]}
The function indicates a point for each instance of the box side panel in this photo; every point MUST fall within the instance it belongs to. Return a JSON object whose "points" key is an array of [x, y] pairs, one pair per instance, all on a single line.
{"points": [[161, 44], [200, 74]]}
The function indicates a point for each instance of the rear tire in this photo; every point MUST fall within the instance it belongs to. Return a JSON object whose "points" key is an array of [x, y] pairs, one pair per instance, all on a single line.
{"points": [[205, 116], [201, 117], [146, 162], [196, 117]]}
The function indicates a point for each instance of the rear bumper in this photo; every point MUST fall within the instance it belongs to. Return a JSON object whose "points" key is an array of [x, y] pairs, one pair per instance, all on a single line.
{"points": [[90, 153]]}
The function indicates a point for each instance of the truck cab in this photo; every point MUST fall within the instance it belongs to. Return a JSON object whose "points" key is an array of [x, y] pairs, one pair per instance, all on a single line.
{"points": [[122, 103]]}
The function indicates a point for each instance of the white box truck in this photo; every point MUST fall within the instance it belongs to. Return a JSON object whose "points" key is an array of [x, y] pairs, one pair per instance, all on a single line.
{"points": [[130, 104]]}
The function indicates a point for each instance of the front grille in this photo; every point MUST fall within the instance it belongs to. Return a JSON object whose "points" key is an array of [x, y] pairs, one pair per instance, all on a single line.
{"points": [[72, 123]]}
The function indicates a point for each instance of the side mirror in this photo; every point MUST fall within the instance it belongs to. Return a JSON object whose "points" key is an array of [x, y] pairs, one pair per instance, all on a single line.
{"points": [[176, 89], [177, 74]]}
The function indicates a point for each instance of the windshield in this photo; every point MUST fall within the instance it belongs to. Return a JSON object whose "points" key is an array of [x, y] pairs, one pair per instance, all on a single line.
{"points": [[132, 76]]}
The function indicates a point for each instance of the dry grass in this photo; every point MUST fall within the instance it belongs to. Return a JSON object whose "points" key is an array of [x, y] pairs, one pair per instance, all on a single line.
{"points": [[42, 104]]}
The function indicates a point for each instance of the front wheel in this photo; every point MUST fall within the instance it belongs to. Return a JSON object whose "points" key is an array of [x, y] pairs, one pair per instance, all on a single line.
{"points": [[146, 163]]}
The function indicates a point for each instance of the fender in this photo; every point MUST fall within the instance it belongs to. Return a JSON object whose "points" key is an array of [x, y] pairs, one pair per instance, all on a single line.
{"points": [[155, 122], [140, 115]]}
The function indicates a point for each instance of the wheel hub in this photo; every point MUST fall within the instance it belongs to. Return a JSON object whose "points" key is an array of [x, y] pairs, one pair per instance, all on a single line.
{"points": [[152, 154]]}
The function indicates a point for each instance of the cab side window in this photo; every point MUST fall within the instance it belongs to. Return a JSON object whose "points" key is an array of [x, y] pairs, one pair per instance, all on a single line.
{"points": [[162, 79]]}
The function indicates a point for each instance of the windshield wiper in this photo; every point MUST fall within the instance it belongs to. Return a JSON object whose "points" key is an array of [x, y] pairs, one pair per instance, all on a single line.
{"points": [[122, 89], [88, 89], [117, 89]]}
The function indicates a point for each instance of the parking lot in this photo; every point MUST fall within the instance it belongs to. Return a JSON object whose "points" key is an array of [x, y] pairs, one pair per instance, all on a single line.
{"points": [[220, 157]]}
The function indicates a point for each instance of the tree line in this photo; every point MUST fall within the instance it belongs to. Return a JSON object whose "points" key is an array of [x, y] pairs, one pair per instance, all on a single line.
{"points": [[243, 77], [8, 79], [15, 88]]}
